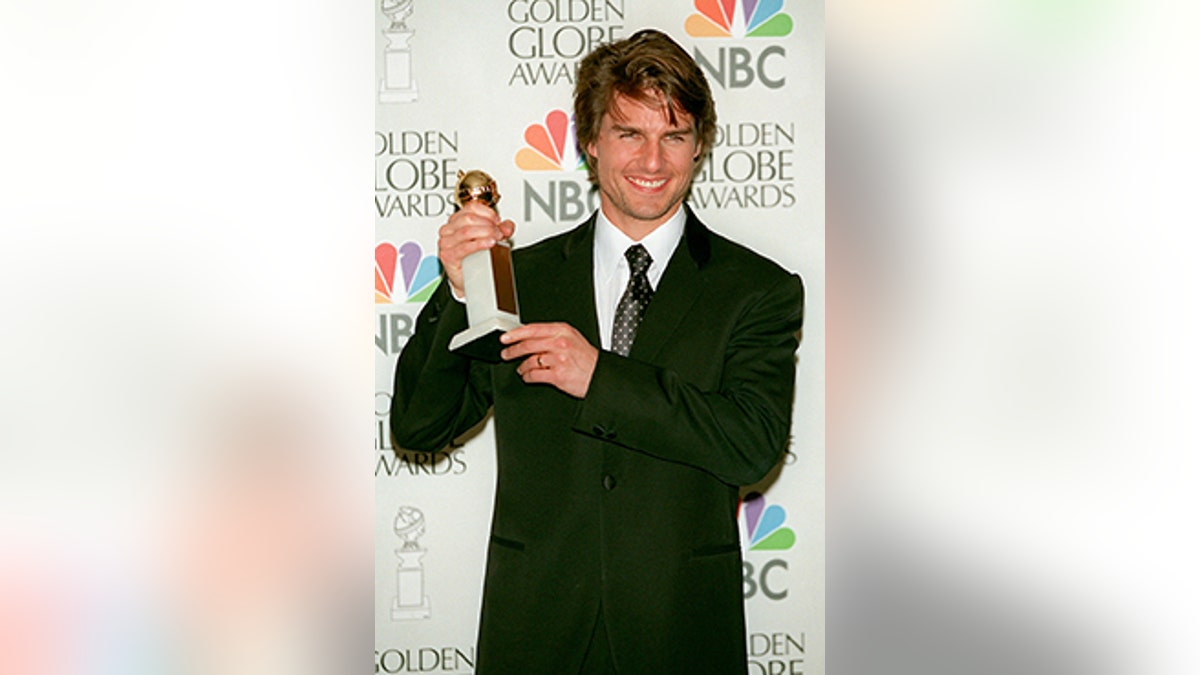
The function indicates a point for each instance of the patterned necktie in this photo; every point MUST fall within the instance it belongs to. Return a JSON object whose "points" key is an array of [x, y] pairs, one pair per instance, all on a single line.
{"points": [[633, 303]]}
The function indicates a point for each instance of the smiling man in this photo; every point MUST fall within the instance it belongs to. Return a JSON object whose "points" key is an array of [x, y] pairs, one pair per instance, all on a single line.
{"points": [[653, 376], [650, 149]]}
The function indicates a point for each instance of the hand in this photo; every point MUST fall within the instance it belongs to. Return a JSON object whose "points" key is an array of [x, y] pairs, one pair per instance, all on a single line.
{"points": [[556, 354], [472, 228]]}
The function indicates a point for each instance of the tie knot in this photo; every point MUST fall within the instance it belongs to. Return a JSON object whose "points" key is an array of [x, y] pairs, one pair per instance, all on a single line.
{"points": [[639, 259]]}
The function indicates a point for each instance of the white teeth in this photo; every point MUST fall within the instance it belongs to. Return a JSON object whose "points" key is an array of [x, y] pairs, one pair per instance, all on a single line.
{"points": [[648, 183]]}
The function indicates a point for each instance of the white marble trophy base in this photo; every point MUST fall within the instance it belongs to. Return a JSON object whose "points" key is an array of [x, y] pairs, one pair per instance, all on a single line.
{"points": [[482, 340]]}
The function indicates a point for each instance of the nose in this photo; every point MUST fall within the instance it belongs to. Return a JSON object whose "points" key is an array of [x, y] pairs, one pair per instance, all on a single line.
{"points": [[651, 156]]}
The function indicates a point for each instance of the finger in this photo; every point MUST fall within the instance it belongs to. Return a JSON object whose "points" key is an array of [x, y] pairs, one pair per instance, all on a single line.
{"points": [[531, 331], [456, 252], [467, 229], [460, 218], [537, 375], [538, 338], [478, 208], [554, 359], [486, 235], [471, 216], [507, 228], [527, 347], [472, 234], [528, 365], [532, 364], [456, 244]]}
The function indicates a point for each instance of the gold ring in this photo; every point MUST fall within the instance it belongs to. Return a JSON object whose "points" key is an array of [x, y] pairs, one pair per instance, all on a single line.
{"points": [[540, 365]]}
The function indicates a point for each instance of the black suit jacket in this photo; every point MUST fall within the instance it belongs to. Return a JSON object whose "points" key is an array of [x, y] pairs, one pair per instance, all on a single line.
{"points": [[625, 501]]}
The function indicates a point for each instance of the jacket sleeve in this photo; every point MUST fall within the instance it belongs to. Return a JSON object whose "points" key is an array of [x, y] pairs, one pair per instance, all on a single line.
{"points": [[736, 432], [437, 395]]}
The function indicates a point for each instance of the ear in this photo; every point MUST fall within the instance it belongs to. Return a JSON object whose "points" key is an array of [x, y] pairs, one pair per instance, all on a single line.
{"points": [[591, 149]]}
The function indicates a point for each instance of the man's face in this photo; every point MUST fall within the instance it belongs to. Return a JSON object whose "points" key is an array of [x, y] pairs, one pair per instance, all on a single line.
{"points": [[643, 164]]}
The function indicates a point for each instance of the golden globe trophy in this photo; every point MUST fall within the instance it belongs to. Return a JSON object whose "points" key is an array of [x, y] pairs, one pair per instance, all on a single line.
{"points": [[488, 281]]}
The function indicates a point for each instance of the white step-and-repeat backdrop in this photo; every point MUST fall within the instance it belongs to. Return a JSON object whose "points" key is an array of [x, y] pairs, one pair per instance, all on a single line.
{"points": [[488, 85]]}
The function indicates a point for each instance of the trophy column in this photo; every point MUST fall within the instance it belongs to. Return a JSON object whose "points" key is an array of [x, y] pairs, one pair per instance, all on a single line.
{"points": [[411, 601]]}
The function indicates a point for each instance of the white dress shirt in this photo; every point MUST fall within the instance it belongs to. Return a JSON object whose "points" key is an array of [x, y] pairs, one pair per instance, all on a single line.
{"points": [[610, 269]]}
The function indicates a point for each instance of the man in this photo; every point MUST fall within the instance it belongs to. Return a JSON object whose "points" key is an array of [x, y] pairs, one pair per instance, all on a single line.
{"points": [[644, 387]]}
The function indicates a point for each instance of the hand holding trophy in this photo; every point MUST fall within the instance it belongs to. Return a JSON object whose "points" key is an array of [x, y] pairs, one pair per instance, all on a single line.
{"points": [[488, 281]]}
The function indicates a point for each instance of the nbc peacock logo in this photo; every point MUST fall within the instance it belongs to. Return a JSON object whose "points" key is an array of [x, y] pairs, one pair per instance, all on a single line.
{"points": [[738, 19], [550, 145], [764, 525], [404, 273]]}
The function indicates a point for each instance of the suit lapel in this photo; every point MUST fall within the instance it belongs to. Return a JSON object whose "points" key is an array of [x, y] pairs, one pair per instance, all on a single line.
{"points": [[572, 295], [677, 291]]}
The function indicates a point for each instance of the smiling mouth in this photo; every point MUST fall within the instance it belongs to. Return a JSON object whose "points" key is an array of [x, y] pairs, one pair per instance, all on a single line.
{"points": [[648, 184]]}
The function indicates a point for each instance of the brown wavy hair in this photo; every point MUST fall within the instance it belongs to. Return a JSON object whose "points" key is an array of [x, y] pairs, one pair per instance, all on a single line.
{"points": [[649, 67]]}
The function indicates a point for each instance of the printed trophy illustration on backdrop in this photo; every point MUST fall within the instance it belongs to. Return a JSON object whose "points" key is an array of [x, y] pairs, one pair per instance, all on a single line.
{"points": [[488, 281], [399, 85], [411, 601]]}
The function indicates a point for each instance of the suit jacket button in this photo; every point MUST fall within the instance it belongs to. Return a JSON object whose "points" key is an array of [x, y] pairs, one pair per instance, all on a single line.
{"points": [[599, 430], [609, 482]]}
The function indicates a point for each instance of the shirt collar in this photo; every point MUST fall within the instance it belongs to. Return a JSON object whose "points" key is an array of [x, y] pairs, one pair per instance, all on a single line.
{"points": [[611, 243]]}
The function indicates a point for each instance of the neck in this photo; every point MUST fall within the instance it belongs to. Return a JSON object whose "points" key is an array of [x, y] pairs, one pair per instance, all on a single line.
{"points": [[635, 229]]}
